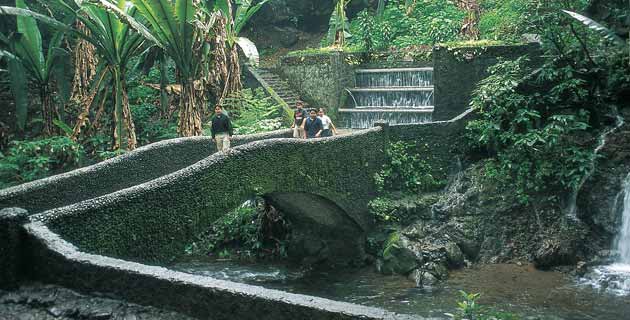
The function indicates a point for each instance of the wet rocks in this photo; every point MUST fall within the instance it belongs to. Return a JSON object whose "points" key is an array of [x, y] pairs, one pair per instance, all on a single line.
{"points": [[48, 302]]}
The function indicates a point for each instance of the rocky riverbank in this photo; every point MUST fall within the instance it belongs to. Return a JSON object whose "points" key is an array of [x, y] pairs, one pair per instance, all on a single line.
{"points": [[48, 302]]}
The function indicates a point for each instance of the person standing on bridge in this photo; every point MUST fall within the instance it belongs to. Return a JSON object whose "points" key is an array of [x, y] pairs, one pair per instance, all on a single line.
{"points": [[313, 125], [221, 129], [329, 126], [299, 118]]}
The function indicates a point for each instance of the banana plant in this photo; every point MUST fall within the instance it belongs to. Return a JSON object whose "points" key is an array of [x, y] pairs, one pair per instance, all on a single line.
{"points": [[170, 26], [227, 72], [338, 25], [27, 60], [605, 32], [244, 11], [115, 43]]}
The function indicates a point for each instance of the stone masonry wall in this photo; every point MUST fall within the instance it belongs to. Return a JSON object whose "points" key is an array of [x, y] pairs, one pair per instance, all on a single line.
{"points": [[53, 260], [439, 144], [121, 172], [457, 70], [320, 79], [155, 220]]}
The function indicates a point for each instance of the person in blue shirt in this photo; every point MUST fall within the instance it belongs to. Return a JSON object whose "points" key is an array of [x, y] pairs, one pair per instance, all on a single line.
{"points": [[313, 125]]}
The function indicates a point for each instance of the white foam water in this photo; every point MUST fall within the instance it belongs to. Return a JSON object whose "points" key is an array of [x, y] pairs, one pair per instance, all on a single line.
{"points": [[616, 277]]}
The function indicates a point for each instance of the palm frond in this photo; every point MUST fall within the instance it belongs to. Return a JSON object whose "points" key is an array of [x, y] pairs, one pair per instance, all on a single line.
{"points": [[607, 33]]}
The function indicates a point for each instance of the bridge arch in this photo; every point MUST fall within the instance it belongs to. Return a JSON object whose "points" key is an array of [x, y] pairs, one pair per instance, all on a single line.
{"points": [[321, 231], [153, 222]]}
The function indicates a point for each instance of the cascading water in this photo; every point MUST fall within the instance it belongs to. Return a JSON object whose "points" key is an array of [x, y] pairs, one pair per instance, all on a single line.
{"points": [[396, 96], [572, 203], [393, 97], [616, 277], [382, 78], [623, 239]]}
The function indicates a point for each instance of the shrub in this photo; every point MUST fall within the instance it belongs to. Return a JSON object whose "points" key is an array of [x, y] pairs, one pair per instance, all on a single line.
{"points": [[31, 160], [253, 112], [405, 171], [401, 26], [253, 230]]}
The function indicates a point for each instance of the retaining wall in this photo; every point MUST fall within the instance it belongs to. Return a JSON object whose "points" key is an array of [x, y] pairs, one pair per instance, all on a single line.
{"points": [[440, 144], [457, 70], [59, 262], [321, 79], [130, 169]]}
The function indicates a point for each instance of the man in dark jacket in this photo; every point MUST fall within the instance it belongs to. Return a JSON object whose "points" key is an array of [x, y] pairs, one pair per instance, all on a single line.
{"points": [[313, 125], [221, 129]]}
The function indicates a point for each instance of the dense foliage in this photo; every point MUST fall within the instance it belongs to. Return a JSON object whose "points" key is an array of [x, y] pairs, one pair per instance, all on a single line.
{"points": [[254, 112], [540, 127], [31, 160], [254, 230], [402, 25], [405, 171]]}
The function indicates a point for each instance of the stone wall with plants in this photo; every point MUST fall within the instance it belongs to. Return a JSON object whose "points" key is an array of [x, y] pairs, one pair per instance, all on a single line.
{"points": [[109, 176], [154, 221], [321, 78], [439, 145], [460, 66]]}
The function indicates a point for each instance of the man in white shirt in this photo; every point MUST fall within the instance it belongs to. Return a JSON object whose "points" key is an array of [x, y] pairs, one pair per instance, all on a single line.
{"points": [[329, 127]]}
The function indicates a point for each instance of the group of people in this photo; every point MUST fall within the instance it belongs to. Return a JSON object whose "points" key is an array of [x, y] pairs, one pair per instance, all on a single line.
{"points": [[314, 124]]}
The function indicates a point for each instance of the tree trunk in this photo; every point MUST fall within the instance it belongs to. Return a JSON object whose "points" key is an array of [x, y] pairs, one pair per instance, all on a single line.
{"points": [[226, 77], [124, 127], [189, 115], [48, 111], [130, 127]]}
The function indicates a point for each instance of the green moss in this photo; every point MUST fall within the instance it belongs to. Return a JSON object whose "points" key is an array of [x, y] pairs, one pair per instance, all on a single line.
{"points": [[476, 44], [322, 51]]}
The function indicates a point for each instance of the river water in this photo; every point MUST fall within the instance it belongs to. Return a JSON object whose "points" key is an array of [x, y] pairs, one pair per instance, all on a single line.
{"points": [[522, 290]]}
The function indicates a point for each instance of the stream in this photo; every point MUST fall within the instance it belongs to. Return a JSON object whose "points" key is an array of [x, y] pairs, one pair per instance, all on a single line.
{"points": [[522, 290]]}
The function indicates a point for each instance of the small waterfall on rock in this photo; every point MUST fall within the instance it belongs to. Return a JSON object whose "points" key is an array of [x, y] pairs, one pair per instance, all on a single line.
{"points": [[571, 209], [616, 277], [397, 96], [623, 239]]}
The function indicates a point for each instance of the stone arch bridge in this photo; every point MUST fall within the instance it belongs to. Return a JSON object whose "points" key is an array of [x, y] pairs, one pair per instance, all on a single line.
{"points": [[81, 229]]}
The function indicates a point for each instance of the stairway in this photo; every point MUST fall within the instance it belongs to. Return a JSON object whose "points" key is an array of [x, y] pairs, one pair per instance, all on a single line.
{"points": [[279, 86], [397, 96]]}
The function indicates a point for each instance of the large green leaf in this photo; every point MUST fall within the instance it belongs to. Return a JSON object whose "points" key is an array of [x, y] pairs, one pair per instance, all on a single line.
{"points": [[128, 19], [244, 12], [29, 45], [19, 88], [185, 13], [37, 16], [160, 14], [595, 26]]}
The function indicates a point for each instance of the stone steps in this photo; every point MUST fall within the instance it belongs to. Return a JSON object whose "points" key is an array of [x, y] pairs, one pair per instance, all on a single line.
{"points": [[280, 86]]}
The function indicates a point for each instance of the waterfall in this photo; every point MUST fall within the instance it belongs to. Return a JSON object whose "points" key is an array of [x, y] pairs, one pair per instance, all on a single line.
{"points": [[622, 244], [393, 98], [397, 96], [572, 204], [382, 78], [615, 277], [359, 119]]}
